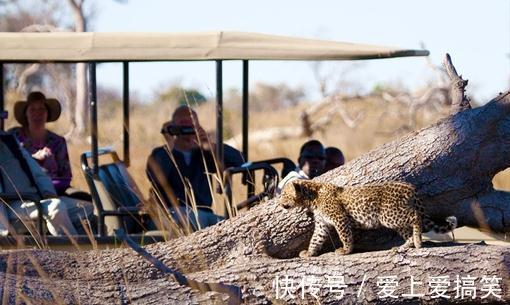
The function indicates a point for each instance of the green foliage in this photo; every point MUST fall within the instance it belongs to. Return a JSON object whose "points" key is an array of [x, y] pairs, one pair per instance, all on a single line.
{"points": [[379, 88], [192, 97], [177, 95]]}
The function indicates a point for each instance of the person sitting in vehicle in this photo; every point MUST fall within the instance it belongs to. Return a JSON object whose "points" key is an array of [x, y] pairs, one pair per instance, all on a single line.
{"points": [[45, 146], [180, 169], [311, 162], [22, 181], [334, 158]]}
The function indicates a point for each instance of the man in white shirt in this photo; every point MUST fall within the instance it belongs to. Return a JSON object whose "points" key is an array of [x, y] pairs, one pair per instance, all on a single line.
{"points": [[311, 163]]}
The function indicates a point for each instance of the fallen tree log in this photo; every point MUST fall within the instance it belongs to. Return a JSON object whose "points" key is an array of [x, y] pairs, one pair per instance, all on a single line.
{"points": [[453, 274], [452, 164]]}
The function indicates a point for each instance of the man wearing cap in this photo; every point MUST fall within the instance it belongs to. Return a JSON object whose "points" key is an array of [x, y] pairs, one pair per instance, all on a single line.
{"points": [[311, 162]]}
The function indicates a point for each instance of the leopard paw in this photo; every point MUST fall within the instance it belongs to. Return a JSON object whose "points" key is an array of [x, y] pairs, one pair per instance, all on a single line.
{"points": [[341, 251], [304, 254], [404, 248]]}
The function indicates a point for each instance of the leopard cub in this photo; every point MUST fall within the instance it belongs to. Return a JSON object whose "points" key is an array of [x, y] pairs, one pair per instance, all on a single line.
{"points": [[394, 205]]}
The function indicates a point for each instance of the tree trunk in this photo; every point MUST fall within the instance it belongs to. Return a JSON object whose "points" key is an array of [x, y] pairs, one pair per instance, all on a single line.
{"points": [[81, 107], [217, 255], [452, 164], [81, 110]]}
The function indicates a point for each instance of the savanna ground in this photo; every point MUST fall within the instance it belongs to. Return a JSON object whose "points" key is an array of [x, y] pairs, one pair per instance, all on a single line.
{"points": [[381, 121]]}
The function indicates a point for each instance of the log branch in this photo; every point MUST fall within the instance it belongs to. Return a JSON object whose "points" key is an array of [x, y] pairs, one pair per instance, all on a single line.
{"points": [[457, 87]]}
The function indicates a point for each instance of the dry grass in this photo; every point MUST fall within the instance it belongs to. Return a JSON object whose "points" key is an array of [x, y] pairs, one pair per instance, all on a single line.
{"points": [[382, 122]]}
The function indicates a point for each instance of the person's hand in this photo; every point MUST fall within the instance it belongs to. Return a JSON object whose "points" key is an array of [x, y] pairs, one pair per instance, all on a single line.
{"points": [[49, 196], [42, 154], [205, 141], [146, 208], [142, 207], [170, 139]]}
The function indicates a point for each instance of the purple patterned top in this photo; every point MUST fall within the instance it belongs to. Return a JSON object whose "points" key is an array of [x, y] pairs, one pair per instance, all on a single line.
{"points": [[57, 166]]}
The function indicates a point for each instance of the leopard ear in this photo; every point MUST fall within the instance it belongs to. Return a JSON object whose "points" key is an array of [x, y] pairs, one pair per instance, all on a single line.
{"points": [[306, 189], [298, 187]]}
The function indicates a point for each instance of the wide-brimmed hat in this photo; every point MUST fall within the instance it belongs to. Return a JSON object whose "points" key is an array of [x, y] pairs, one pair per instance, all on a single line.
{"points": [[52, 105]]}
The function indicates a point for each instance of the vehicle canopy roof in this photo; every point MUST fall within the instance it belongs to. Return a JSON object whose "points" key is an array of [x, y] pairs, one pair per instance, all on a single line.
{"points": [[220, 45], [94, 47]]}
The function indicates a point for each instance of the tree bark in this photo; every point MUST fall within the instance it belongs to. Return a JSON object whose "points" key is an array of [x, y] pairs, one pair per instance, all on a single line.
{"points": [[452, 164], [120, 276]]}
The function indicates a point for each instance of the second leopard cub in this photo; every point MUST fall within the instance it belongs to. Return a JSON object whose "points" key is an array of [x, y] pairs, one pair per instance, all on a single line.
{"points": [[394, 205]]}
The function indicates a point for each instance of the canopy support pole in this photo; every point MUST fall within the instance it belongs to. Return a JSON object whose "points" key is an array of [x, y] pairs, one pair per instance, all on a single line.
{"points": [[93, 116], [219, 135], [3, 114], [250, 179], [245, 109], [219, 111], [125, 107]]}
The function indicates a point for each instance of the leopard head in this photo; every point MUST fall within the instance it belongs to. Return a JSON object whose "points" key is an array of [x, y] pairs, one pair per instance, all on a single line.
{"points": [[299, 193]]}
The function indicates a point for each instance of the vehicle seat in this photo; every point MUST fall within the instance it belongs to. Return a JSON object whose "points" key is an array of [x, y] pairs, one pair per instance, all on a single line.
{"points": [[114, 193]]}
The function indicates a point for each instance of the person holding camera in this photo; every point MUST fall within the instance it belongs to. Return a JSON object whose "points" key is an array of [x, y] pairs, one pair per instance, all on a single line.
{"points": [[179, 170]]}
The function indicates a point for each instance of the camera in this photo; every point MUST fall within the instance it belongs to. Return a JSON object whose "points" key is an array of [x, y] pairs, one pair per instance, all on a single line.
{"points": [[178, 130]]}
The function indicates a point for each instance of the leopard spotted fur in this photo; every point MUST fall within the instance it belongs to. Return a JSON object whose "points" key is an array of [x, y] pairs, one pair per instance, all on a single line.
{"points": [[394, 205]]}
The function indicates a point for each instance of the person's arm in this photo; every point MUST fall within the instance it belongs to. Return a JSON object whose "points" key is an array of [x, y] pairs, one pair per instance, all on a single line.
{"points": [[64, 175], [293, 175], [232, 156], [204, 141], [158, 178], [153, 171], [42, 180]]}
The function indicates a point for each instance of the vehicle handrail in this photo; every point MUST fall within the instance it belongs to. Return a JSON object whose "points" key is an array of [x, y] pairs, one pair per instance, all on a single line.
{"points": [[248, 170], [101, 151]]}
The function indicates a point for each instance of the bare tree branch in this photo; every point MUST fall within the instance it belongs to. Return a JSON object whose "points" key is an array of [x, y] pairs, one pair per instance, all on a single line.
{"points": [[459, 101]]}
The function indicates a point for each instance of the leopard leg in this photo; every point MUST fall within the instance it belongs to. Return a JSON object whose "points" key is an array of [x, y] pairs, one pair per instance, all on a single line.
{"points": [[407, 235], [320, 234], [417, 230], [409, 226], [343, 227]]}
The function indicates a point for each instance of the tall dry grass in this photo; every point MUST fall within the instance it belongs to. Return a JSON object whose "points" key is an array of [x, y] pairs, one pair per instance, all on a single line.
{"points": [[382, 122]]}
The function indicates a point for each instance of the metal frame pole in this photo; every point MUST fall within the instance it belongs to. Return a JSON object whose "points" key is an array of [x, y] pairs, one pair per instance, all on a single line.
{"points": [[219, 111], [2, 96], [93, 116], [251, 174], [125, 104], [245, 108]]}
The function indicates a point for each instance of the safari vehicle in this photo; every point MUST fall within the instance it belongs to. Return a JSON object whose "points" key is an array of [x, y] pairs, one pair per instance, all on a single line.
{"points": [[114, 193]]}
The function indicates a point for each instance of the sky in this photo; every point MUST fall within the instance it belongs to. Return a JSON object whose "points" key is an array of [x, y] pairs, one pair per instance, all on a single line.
{"points": [[475, 33]]}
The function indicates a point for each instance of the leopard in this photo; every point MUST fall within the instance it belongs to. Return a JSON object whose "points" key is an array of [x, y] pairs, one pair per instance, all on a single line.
{"points": [[391, 204]]}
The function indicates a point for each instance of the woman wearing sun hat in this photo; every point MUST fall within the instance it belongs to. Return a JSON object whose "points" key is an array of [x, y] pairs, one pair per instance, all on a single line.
{"points": [[49, 149], [46, 147]]}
